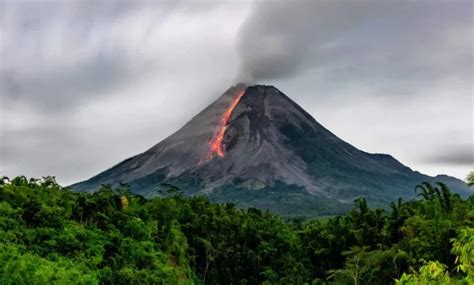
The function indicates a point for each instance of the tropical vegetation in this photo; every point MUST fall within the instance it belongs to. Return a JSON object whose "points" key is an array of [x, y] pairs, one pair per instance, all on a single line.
{"points": [[52, 235]]}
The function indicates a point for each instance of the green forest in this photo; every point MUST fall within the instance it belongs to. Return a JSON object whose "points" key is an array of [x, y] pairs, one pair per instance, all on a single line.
{"points": [[52, 235]]}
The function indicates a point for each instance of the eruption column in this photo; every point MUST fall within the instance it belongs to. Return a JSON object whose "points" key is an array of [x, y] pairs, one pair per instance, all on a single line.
{"points": [[215, 144]]}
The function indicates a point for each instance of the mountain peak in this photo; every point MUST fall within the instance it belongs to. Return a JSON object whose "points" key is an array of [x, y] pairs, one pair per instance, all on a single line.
{"points": [[262, 90], [255, 88]]}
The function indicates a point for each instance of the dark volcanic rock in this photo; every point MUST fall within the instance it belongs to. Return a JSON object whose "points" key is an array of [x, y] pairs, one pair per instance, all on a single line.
{"points": [[276, 157]]}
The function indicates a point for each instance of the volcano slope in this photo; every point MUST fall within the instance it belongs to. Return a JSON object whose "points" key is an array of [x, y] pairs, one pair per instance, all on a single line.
{"points": [[255, 147]]}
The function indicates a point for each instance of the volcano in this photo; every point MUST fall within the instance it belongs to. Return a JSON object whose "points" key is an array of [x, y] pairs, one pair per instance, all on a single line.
{"points": [[255, 147]]}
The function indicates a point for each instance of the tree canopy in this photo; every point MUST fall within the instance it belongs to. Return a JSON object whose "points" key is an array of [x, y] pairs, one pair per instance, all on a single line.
{"points": [[51, 235]]}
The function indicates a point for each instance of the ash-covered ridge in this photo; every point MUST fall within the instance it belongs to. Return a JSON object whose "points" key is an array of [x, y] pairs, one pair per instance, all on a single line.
{"points": [[255, 147]]}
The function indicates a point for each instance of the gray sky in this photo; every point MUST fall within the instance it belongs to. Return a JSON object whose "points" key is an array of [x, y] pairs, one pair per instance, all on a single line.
{"points": [[86, 84]]}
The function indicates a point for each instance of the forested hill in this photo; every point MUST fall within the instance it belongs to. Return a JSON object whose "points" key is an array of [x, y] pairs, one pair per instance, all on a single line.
{"points": [[51, 235]]}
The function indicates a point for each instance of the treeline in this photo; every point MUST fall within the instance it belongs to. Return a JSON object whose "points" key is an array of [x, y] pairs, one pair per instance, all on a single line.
{"points": [[51, 235]]}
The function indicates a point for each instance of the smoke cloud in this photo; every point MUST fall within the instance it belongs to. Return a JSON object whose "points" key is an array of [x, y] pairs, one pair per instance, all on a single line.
{"points": [[281, 39], [278, 36]]}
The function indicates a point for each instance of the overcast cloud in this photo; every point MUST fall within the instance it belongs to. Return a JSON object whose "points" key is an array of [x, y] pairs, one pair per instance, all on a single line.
{"points": [[85, 84]]}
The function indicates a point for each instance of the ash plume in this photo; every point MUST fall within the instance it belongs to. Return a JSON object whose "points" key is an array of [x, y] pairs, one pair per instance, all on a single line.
{"points": [[278, 36], [281, 39]]}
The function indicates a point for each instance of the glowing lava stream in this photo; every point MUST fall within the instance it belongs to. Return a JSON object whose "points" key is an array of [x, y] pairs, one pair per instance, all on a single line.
{"points": [[215, 144]]}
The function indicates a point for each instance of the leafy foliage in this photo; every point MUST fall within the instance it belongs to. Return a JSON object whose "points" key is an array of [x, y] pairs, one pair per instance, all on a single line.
{"points": [[51, 235], [470, 178]]}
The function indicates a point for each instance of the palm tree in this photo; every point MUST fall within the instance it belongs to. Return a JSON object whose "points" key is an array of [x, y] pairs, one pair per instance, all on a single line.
{"points": [[446, 196], [470, 178], [427, 191], [396, 208], [4, 180]]}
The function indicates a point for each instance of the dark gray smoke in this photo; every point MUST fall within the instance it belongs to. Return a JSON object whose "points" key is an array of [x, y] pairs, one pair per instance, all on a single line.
{"points": [[283, 38], [278, 36]]}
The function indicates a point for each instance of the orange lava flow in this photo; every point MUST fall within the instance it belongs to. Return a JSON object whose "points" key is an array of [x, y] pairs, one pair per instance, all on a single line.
{"points": [[215, 144]]}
